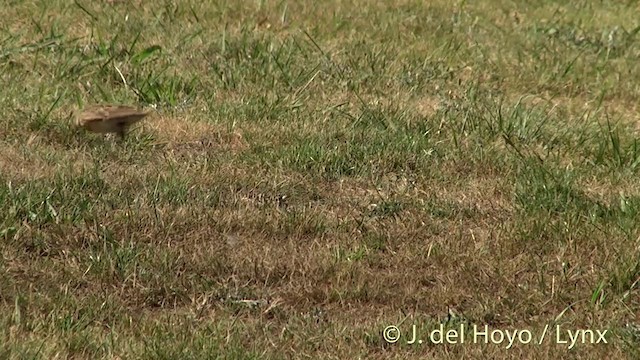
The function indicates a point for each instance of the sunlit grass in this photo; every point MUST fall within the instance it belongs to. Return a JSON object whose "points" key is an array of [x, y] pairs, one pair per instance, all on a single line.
{"points": [[315, 172]]}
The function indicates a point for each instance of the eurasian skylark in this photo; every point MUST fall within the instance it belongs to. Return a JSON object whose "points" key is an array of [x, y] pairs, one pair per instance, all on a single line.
{"points": [[110, 118]]}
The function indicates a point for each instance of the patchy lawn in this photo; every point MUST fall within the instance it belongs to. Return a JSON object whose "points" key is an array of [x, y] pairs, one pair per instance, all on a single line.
{"points": [[315, 173]]}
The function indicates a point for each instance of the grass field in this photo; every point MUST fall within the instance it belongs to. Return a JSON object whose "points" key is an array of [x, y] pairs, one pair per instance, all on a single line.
{"points": [[315, 172]]}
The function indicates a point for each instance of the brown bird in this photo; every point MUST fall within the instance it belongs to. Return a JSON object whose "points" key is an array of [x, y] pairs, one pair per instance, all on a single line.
{"points": [[110, 118]]}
